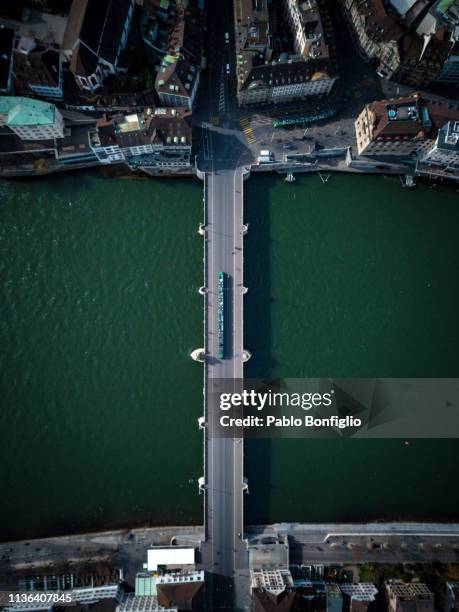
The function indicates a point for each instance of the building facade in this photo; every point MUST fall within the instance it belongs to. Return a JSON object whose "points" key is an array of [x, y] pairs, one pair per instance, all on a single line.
{"points": [[409, 596], [404, 48], [175, 38], [157, 138], [395, 127], [443, 153], [266, 72], [414, 129], [449, 74]]}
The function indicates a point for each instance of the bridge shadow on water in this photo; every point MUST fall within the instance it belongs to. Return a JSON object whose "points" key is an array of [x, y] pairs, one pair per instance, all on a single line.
{"points": [[258, 336]]}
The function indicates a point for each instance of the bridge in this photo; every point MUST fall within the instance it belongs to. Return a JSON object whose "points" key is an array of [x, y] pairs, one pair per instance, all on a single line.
{"points": [[224, 551], [222, 160]]}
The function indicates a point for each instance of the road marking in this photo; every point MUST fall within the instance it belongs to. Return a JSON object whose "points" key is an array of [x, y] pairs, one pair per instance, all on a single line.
{"points": [[222, 99], [248, 132]]}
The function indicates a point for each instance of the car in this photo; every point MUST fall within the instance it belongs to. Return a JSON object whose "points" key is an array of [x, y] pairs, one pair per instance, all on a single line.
{"points": [[226, 37], [227, 68]]}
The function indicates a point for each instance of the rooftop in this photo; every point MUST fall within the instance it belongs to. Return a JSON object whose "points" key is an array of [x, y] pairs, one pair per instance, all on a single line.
{"points": [[169, 555], [147, 603], [408, 589], [26, 111], [274, 581], [267, 55], [361, 591]]}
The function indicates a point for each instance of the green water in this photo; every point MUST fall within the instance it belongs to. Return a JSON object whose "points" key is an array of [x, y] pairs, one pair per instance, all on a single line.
{"points": [[360, 277], [99, 399], [99, 313]]}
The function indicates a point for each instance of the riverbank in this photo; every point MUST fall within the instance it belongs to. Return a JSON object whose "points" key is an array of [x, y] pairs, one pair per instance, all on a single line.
{"points": [[322, 543], [347, 164]]}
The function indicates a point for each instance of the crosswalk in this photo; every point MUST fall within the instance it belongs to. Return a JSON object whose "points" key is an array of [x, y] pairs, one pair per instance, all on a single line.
{"points": [[222, 99], [245, 125]]}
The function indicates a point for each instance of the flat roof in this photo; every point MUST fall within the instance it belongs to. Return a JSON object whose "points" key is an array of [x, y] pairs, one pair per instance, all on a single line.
{"points": [[169, 555]]}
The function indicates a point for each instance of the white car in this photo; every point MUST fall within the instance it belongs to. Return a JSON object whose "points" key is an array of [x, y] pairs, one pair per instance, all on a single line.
{"points": [[227, 68], [226, 37]]}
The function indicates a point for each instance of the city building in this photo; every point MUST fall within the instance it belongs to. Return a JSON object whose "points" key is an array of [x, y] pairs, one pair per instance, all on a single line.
{"points": [[272, 590], [174, 35], [184, 590], [74, 148], [359, 597], [103, 143], [80, 597], [275, 581], [147, 603], [6, 59], [38, 69], [392, 127], [447, 10], [156, 20], [157, 138], [450, 597], [269, 69], [170, 557], [334, 598], [177, 81], [283, 590], [31, 119], [413, 597], [425, 132], [168, 582], [443, 154], [449, 74], [404, 44], [91, 595], [95, 36]]}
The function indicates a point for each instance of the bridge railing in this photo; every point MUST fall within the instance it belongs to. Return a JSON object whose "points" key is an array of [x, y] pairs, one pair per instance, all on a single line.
{"points": [[206, 349]]}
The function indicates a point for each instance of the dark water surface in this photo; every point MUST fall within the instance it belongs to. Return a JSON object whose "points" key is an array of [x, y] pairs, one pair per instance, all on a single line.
{"points": [[360, 277], [99, 313]]}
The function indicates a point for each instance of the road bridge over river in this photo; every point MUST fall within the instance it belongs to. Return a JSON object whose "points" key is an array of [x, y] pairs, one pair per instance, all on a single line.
{"points": [[222, 157], [224, 552]]}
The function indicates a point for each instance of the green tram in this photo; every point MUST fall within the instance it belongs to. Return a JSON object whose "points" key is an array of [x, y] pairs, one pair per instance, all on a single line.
{"points": [[221, 277]]}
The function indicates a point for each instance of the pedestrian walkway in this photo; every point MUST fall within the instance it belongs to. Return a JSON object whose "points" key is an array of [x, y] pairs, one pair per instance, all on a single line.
{"points": [[245, 125]]}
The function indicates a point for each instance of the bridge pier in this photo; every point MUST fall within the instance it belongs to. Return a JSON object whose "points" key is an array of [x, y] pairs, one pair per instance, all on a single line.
{"points": [[198, 355]]}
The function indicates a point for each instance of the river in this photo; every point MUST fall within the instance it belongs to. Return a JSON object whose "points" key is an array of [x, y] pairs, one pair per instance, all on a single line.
{"points": [[100, 400]]}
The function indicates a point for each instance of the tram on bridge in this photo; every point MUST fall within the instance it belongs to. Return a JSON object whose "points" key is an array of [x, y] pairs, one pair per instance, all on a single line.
{"points": [[221, 281]]}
